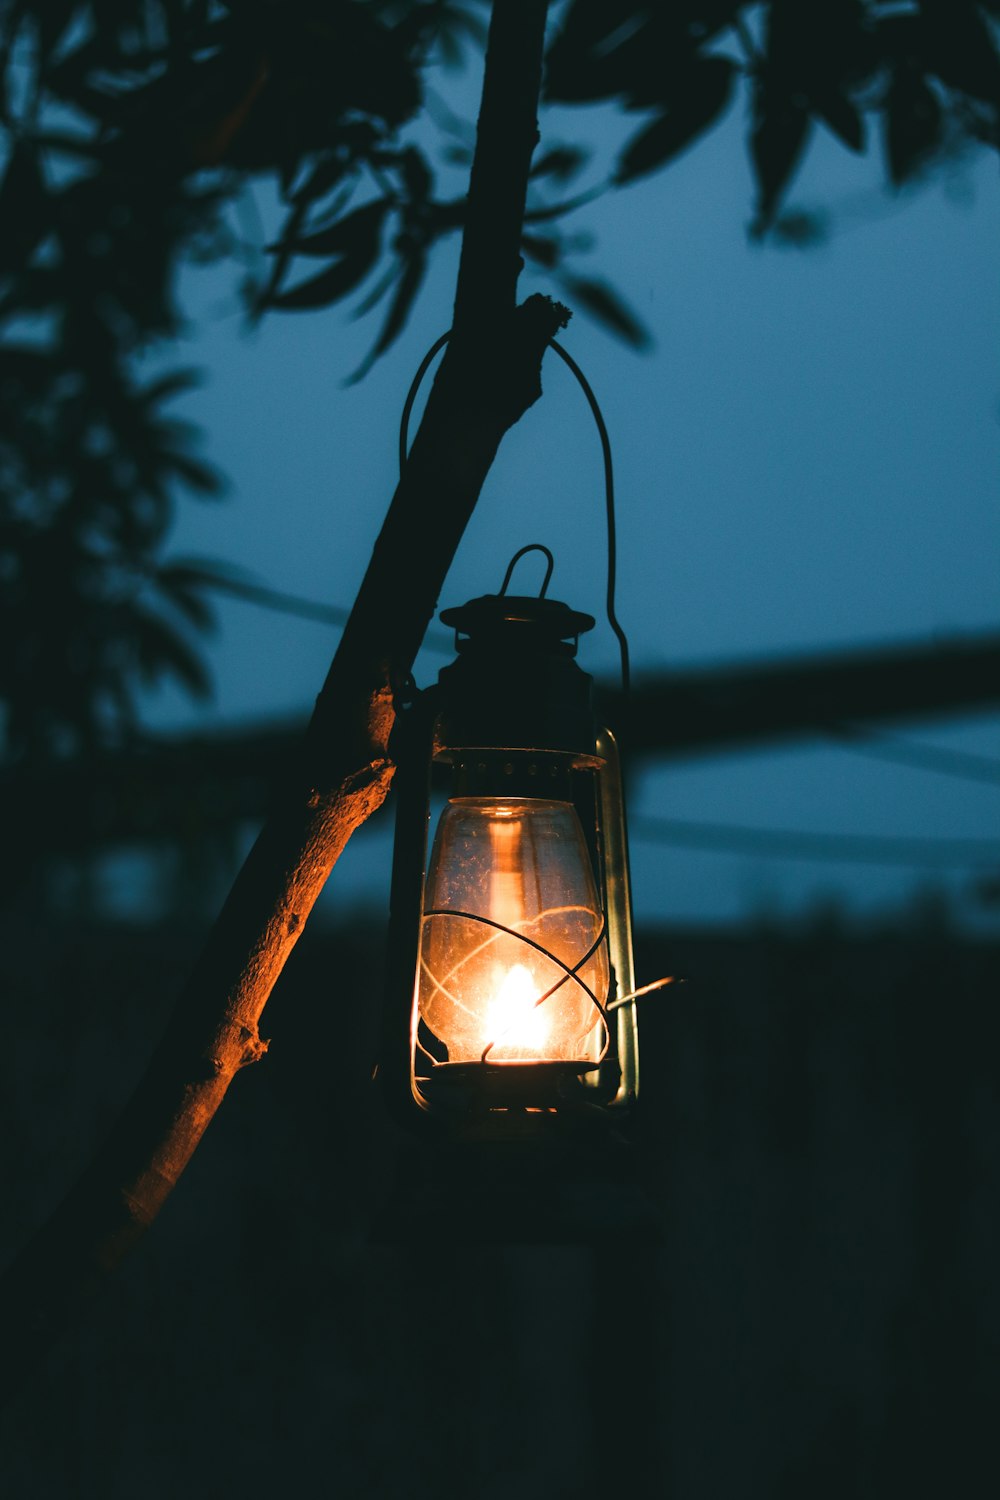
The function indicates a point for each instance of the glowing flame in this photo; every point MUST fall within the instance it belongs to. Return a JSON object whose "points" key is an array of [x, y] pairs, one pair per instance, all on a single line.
{"points": [[512, 1018]]}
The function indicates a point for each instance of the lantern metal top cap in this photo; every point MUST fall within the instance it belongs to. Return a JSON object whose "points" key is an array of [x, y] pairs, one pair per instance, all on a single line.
{"points": [[545, 622]]}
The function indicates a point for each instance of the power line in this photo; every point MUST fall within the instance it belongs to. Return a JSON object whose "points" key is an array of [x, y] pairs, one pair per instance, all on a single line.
{"points": [[904, 752], [853, 737], [787, 843], [308, 609]]}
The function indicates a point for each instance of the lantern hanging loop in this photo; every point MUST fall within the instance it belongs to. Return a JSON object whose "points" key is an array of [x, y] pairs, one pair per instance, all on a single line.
{"points": [[609, 480], [531, 547]]}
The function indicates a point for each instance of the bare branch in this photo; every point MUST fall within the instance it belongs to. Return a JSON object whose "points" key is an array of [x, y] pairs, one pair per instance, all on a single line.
{"points": [[344, 769]]}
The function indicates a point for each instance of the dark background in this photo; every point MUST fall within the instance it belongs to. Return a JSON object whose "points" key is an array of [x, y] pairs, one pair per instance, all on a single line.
{"points": [[807, 462], [819, 1315]]}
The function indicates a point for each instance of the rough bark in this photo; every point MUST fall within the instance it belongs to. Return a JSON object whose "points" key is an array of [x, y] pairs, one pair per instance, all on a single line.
{"points": [[490, 375]]}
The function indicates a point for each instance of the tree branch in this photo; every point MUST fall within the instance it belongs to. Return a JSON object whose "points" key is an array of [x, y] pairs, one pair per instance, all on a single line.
{"points": [[489, 377]]}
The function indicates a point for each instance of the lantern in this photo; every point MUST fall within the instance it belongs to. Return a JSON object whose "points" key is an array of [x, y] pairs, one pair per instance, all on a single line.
{"points": [[510, 961]]}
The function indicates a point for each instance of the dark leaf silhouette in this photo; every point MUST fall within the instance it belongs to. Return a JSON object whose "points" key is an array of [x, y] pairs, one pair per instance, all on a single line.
{"points": [[197, 476], [186, 597], [913, 124], [604, 304], [561, 162], [381, 289], [842, 116], [321, 179], [541, 249], [115, 118], [704, 95], [399, 311], [158, 647], [958, 46], [777, 141], [22, 207], [173, 384], [355, 235], [329, 286]]}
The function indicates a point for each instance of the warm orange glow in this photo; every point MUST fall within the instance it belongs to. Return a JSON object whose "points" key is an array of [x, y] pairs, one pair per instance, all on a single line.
{"points": [[513, 1017], [510, 877]]}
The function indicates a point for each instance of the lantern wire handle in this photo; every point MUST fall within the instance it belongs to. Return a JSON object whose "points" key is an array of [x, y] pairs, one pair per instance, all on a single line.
{"points": [[531, 547], [609, 482], [609, 496]]}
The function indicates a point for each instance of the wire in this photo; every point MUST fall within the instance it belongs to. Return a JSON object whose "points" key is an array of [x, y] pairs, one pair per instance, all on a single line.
{"points": [[784, 843], [854, 738], [904, 752], [609, 478], [288, 604], [609, 493], [307, 609]]}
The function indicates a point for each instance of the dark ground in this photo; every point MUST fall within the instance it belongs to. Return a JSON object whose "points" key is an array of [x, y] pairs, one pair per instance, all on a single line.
{"points": [[820, 1317]]}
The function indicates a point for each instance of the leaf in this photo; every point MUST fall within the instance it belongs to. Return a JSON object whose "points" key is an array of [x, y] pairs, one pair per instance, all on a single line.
{"points": [[777, 142], [561, 162], [557, 210], [323, 178], [23, 207], [52, 20], [159, 648], [374, 297], [28, 368], [197, 476], [167, 386], [416, 174], [354, 234], [541, 248], [399, 311], [960, 48], [696, 106], [843, 117], [186, 600], [319, 291], [913, 120], [581, 64], [603, 303]]}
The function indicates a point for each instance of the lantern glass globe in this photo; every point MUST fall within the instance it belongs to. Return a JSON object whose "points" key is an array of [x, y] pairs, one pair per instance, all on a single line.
{"points": [[510, 906]]}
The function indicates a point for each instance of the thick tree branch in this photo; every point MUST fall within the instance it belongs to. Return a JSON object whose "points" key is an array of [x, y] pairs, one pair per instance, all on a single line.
{"points": [[489, 376]]}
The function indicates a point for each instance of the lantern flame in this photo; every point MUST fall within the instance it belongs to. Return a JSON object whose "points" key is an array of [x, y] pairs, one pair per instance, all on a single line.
{"points": [[513, 1019]]}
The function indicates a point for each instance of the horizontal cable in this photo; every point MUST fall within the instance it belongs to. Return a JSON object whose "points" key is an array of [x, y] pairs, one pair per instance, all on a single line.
{"points": [[787, 843], [307, 609], [861, 740], [856, 738]]}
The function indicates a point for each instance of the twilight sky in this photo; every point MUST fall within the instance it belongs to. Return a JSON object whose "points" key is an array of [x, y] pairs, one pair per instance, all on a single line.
{"points": [[808, 458]]}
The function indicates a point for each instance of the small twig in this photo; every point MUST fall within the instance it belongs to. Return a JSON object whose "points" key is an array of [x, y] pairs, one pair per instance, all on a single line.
{"points": [[646, 989]]}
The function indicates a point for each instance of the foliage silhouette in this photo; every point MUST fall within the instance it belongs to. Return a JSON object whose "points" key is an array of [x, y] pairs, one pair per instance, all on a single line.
{"points": [[133, 127]]}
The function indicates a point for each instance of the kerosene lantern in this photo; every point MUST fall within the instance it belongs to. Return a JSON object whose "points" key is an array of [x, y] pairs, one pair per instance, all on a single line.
{"points": [[510, 970]]}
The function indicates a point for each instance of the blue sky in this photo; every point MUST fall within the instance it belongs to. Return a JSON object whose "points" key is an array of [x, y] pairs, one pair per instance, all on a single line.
{"points": [[808, 458]]}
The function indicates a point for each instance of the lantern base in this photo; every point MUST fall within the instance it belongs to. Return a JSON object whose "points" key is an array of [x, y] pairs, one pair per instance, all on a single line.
{"points": [[471, 1088]]}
